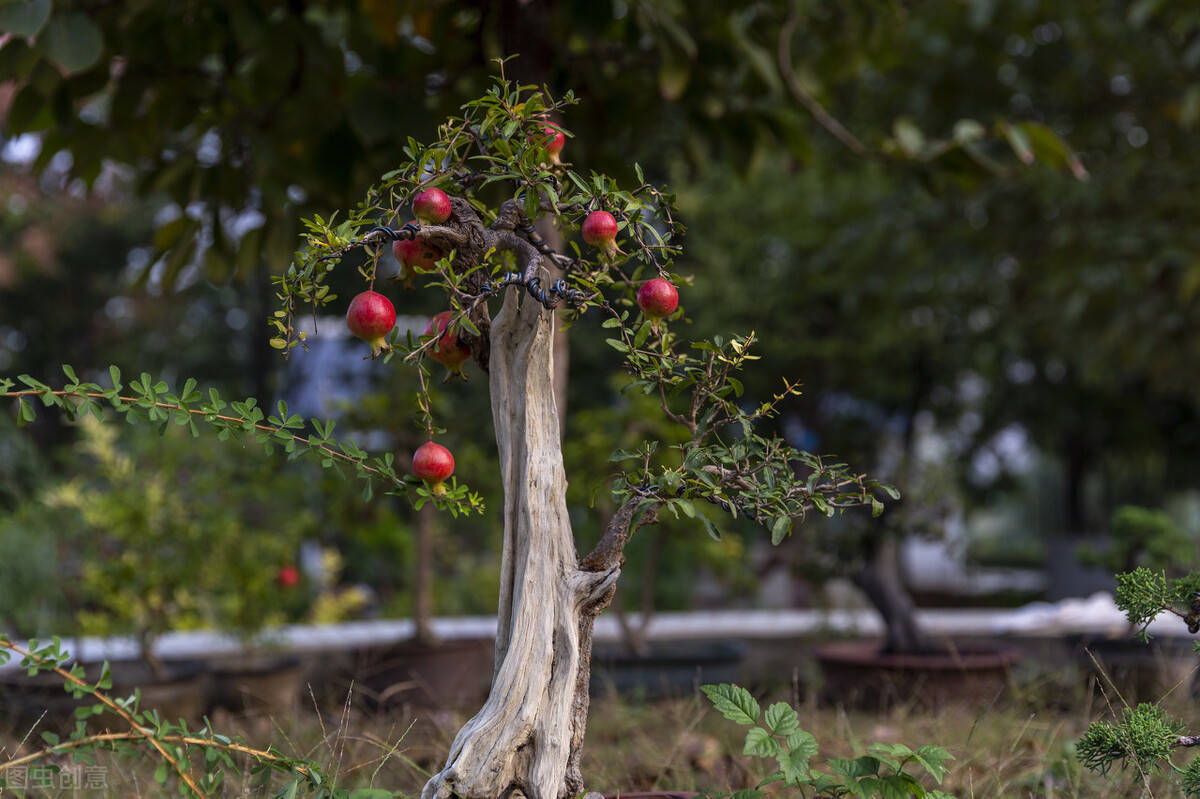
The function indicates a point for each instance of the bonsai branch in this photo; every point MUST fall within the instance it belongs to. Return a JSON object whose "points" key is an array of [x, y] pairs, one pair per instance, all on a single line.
{"points": [[215, 419], [189, 740], [609, 550]]}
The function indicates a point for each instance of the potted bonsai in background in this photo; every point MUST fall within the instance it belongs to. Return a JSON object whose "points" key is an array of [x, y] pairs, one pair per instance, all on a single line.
{"points": [[166, 535], [1147, 538]]}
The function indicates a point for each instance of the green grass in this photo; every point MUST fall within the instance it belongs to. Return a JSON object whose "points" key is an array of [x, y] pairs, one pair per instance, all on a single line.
{"points": [[1016, 746]]}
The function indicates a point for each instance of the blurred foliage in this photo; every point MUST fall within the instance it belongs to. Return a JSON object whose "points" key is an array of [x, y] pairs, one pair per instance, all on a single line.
{"points": [[1036, 303], [212, 105], [1143, 537], [989, 297], [172, 533]]}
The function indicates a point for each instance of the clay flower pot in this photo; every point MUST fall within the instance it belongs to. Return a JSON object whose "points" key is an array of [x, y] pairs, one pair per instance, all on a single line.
{"points": [[857, 672]]}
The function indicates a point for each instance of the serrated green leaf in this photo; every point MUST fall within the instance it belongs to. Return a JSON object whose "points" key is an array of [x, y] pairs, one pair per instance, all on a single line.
{"points": [[733, 702], [864, 766], [760, 743], [781, 719]]}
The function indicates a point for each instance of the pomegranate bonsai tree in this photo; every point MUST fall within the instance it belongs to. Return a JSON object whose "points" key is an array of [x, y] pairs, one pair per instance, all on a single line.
{"points": [[499, 181], [495, 168]]}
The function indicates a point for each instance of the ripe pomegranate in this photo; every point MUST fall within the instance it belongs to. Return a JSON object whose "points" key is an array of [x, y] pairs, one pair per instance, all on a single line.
{"points": [[415, 256], [657, 298], [432, 207], [371, 317], [555, 145], [600, 230], [449, 350], [288, 576], [433, 463]]}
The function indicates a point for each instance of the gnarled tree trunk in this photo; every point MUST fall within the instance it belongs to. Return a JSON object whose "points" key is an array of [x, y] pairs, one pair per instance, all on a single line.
{"points": [[526, 739]]}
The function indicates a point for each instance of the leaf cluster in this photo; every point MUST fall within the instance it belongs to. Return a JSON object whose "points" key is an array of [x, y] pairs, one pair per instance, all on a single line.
{"points": [[495, 150], [776, 734], [150, 401], [1144, 594], [726, 461], [1141, 740]]}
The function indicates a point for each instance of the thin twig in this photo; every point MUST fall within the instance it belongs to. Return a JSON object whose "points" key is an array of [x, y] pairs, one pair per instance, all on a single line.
{"points": [[239, 420], [138, 730], [823, 117]]}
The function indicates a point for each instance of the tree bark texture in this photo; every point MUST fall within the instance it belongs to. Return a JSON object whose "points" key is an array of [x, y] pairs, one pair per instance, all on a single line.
{"points": [[526, 739]]}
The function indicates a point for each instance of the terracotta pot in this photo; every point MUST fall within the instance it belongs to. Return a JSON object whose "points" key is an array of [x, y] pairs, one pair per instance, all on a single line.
{"points": [[181, 693], [857, 673], [448, 674], [670, 668]]}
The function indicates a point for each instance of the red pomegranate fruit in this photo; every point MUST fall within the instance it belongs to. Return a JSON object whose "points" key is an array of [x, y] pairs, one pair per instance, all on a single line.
{"points": [[415, 257], [600, 230], [432, 207], [657, 298], [450, 351], [371, 317], [433, 463], [288, 576], [557, 140]]}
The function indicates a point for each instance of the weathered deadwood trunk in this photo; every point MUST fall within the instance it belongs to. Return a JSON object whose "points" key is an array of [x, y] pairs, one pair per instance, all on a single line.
{"points": [[526, 739]]}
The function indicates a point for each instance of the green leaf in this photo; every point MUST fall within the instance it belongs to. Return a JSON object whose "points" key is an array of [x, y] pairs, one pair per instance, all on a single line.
{"points": [[759, 742], [160, 774], [900, 786], [733, 702], [780, 529], [802, 741], [1049, 147], [709, 527], [24, 17], [864, 766], [909, 136], [619, 346], [781, 719], [1018, 140], [72, 41], [968, 130], [933, 758]]}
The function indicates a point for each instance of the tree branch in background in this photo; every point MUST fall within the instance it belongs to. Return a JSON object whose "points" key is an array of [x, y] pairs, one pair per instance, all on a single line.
{"points": [[823, 117]]}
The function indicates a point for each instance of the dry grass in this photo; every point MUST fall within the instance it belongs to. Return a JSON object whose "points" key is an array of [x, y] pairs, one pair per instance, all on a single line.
{"points": [[1016, 746]]}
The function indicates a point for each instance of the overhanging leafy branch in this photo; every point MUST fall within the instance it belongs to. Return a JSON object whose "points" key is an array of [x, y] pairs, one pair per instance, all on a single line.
{"points": [[151, 401]]}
